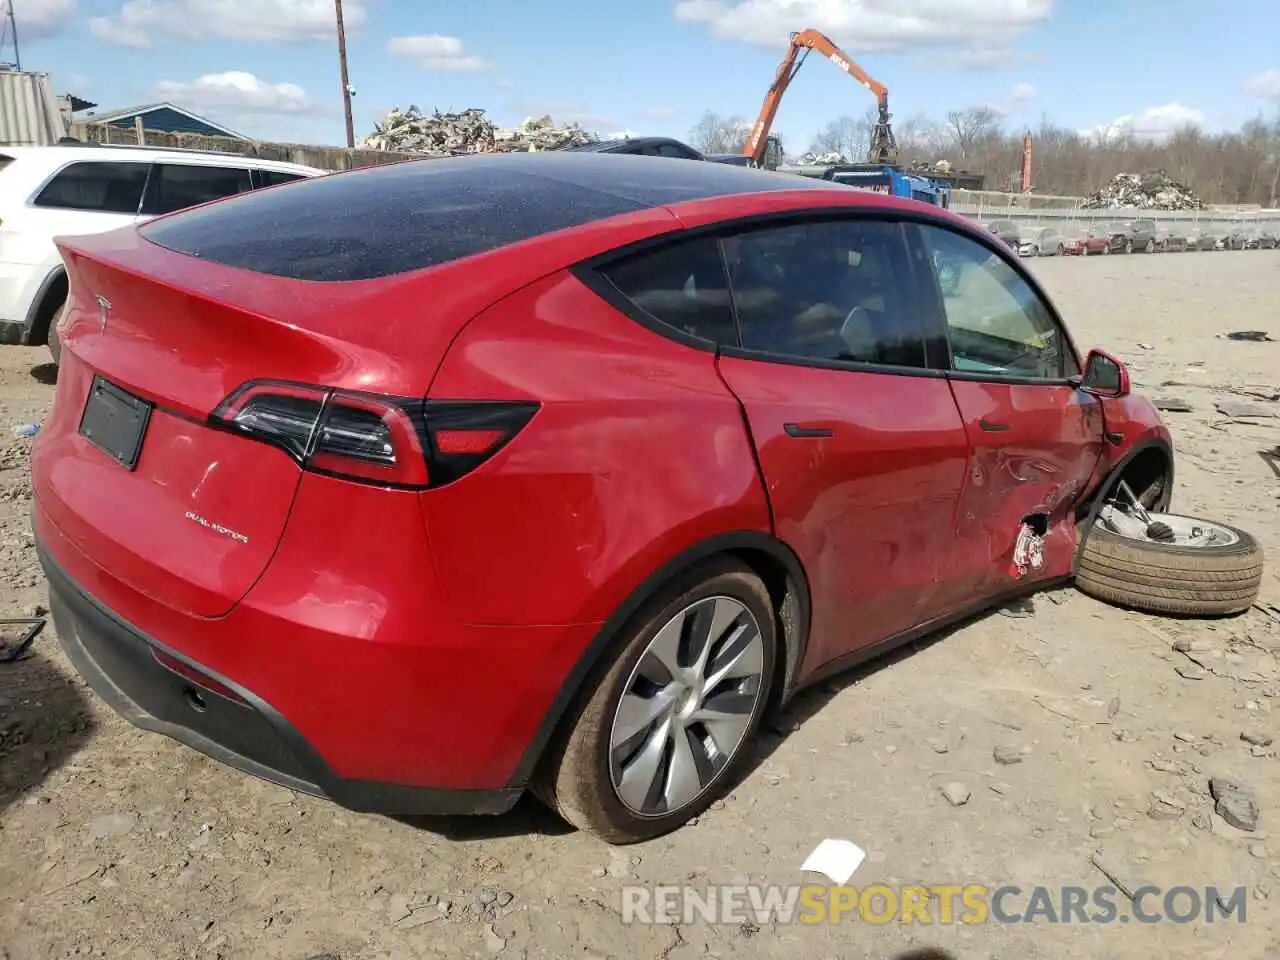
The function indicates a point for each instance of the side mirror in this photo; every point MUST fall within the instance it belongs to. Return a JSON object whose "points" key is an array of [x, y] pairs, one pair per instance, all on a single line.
{"points": [[1104, 376]]}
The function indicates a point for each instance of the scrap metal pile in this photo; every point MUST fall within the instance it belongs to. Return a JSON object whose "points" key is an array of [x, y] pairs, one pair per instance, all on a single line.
{"points": [[469, 131], [1152, 191]]}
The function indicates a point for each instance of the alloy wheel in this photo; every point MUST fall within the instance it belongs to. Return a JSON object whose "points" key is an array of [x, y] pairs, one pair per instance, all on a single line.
{"points": [[686, 707]]}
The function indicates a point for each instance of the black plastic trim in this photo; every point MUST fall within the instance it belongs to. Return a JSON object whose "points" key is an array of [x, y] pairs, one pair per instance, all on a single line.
{"points": [[846, 365], [881, 647], [1096, 495], [613, 627], [78, 610]]}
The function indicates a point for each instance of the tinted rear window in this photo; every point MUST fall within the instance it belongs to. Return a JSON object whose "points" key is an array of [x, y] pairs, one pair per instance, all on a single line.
{"points": [[102, 187], [376, 223], [273, 178]]}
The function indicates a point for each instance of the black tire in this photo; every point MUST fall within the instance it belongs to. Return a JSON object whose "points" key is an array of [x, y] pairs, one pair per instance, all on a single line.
{"points": [[573, 778], [1128, 246], [1168, 579], [51, 336], [1151, 246]]}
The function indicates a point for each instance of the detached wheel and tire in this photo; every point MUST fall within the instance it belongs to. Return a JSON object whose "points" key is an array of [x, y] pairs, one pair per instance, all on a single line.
{"points": [[672, 717], [1170, 564]]}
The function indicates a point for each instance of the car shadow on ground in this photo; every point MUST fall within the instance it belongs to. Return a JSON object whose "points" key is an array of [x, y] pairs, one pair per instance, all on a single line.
{"points": [[44, 721], [46, 373], [530, 817], [527, 818], [925, 953]]}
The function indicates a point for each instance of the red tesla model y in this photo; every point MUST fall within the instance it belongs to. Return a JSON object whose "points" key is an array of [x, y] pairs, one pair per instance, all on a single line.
{"points": [[420, 486]]}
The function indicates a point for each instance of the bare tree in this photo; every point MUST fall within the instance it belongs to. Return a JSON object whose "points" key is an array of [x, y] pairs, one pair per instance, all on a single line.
{"points": [[1234, 167], [716, 134], [970, 128], [849, 137]]}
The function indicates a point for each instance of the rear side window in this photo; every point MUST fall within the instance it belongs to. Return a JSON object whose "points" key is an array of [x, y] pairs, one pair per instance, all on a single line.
{"points": [[828, 290], [683, 285], [177, 186], [98, 186], [272, 178]]}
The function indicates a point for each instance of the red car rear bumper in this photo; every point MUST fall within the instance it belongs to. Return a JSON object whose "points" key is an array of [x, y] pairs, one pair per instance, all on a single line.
{"points": [[438, 726]]}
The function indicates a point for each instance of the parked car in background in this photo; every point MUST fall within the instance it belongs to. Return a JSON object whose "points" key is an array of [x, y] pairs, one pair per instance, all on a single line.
{"points": [[287, 514], [1268, 239], [1119, 237], [46, 192], [1007, 231], [1239, 237], [1043, 242], [1142, 236], [1170, 240], [1206, 239], [1088, 242], [643, 147]]}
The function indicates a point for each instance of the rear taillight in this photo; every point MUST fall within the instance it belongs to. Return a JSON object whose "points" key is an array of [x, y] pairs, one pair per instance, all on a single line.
{"points": [[401, 442]]}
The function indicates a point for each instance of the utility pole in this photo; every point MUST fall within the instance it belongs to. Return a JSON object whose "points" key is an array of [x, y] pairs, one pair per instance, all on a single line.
{"points": [[13, 25], [342, 63]]}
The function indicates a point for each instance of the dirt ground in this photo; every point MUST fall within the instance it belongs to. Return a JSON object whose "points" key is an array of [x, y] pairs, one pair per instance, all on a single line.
{"points": [[117, 843]]}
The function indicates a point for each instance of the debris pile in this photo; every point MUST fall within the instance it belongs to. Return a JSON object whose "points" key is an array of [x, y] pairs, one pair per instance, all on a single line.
{"points": [[468, 131], [541, 133], [833, 156], [1153, 191]]}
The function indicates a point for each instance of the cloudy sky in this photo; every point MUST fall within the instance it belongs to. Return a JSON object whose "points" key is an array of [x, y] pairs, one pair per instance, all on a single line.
{"points": [[269, 67]]}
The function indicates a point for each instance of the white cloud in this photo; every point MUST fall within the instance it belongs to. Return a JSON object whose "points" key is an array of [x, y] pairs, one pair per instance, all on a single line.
{"points": [[1265, 85], [140, 22], [657, 113], [1023, 92], [862, 25], [240, 93], [42, 18], [1154, 123], [436, 53]]}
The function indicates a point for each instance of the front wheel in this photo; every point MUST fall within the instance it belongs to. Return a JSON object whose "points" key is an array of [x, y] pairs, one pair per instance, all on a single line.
{"points": [[1128, 246], [1107, 249], [1169, 564], [1151, 246], [671, 718]]}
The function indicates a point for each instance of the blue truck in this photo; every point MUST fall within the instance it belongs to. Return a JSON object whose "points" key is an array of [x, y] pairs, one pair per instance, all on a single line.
{"points": [[879, 178]]}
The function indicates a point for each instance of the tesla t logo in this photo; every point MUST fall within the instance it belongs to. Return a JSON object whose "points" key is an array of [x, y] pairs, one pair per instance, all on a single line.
{"points": [[104, 310]]}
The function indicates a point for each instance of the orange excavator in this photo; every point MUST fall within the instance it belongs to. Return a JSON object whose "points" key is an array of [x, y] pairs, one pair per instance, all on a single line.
{"points": [[884, 149]]}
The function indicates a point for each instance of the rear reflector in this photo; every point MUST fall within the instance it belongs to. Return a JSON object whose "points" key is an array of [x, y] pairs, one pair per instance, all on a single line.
{"points": [[399, 442]]}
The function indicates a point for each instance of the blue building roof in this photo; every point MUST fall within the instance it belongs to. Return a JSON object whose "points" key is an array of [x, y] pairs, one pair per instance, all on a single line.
{"points": [[165, 117]]}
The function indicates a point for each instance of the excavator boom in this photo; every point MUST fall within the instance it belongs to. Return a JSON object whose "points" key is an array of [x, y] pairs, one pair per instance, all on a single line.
{"points": [[884, 148]]}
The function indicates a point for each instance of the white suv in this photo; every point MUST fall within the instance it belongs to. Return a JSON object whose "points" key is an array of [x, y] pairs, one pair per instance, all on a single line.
{"points": [[47, 192]]}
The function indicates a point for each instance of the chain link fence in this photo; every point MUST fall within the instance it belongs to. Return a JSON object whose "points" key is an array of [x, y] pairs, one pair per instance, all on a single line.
{"points": [[1069, 213]]}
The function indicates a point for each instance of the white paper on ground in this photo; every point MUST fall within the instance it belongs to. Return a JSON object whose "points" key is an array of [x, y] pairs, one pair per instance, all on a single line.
{"points": [[835, 859]]}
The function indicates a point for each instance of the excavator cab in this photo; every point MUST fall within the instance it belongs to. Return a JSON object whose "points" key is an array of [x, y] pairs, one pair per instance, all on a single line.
{"points": [[772, 153]]}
